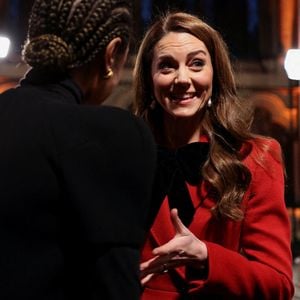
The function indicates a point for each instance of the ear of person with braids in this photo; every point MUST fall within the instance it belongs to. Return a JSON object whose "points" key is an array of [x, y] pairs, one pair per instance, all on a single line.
{"points": [[219, 225], [75, 176]]}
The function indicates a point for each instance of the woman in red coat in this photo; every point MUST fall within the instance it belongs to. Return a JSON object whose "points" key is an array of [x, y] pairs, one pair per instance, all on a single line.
{"points": [[221, 229]]}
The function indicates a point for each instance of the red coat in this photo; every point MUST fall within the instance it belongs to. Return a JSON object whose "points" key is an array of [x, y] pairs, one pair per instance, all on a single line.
{"points": [[250, 259]]}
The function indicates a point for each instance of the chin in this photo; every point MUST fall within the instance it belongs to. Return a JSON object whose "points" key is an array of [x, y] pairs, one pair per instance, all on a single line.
{"points": [[184, 114]]}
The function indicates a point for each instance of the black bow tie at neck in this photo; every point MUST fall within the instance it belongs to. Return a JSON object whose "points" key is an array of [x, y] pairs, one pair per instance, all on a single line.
{"points": [[175, 168], [187, 160]]}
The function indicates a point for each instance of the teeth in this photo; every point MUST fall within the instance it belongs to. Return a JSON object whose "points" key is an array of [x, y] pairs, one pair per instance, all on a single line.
{"points": [[183, 97]]}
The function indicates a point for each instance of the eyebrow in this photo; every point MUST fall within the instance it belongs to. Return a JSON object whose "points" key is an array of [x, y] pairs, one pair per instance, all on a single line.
{"points": [[191, 54], [197, 52]]}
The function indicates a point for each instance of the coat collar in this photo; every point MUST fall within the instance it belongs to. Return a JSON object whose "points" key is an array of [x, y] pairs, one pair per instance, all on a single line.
{"points": [[57, 82]]}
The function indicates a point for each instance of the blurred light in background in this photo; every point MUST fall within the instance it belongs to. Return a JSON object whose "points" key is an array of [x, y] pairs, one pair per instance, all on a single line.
{"points": [[292, 64], [4, 46]]}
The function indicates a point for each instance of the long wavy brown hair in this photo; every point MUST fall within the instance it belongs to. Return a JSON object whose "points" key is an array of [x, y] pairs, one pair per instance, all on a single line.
{"points": [[226, 123]]}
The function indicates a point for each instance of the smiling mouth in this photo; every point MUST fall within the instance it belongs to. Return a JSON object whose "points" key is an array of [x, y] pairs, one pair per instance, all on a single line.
{"points": [[184, 97]]}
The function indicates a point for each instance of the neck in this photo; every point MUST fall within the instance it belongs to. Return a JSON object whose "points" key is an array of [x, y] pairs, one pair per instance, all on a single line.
{"points": [[94, 88], [180, 131]]}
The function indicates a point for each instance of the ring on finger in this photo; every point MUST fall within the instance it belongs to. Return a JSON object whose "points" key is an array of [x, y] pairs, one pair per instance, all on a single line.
{"points": [[164, 268]]}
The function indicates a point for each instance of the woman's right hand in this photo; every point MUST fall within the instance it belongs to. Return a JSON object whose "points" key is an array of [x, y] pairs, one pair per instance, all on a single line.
{"points": [[183, 250]]}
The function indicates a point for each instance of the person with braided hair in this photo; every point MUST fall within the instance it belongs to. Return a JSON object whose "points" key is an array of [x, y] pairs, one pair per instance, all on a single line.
{"points": [[221, 228], [72, 198]]}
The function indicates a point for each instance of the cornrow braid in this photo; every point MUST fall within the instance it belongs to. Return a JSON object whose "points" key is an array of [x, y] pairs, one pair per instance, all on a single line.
{"points": [[43, 17], [78, 16], [84, 32], [65, 34], [65, 9], [109, 30], [97, 33]]}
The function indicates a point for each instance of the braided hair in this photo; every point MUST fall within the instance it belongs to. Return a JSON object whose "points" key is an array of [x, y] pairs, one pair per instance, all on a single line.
{"points": [[64, 34]]}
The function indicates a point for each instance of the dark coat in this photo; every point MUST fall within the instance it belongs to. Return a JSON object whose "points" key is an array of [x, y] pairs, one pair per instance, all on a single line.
{"points": [[75, 182]]}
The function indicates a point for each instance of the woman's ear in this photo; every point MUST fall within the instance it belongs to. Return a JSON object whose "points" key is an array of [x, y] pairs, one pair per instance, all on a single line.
{"points": [[115, 56]]}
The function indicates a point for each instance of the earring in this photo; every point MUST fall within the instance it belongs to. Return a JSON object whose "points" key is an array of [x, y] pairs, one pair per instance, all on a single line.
{"points": [[152, 104], [209, 103], [109, 74]]}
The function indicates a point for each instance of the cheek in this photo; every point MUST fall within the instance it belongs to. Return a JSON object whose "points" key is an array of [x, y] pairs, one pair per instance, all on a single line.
{"points": [[161, 85], [204, 81]]}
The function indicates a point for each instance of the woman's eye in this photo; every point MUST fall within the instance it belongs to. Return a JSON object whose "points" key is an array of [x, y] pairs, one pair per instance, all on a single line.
{"points": [[197, 63], [164, 66]]}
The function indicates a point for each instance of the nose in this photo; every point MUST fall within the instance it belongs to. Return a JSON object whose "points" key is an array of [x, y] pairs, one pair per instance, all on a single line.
{"points": [[182, 76]]}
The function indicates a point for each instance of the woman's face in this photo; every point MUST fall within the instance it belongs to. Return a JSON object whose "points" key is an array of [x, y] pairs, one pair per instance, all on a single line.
{"points": [[182, 74]]}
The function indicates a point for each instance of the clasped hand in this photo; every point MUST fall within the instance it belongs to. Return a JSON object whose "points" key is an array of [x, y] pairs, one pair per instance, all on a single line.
{"points": [[182, 250]]}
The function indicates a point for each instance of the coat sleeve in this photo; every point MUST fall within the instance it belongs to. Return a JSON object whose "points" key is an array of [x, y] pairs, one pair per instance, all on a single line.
{"points": [[263, 267], [107, 162]]}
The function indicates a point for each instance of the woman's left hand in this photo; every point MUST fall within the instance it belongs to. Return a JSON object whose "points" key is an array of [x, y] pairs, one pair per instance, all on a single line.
{"points": [[183, 249]]}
